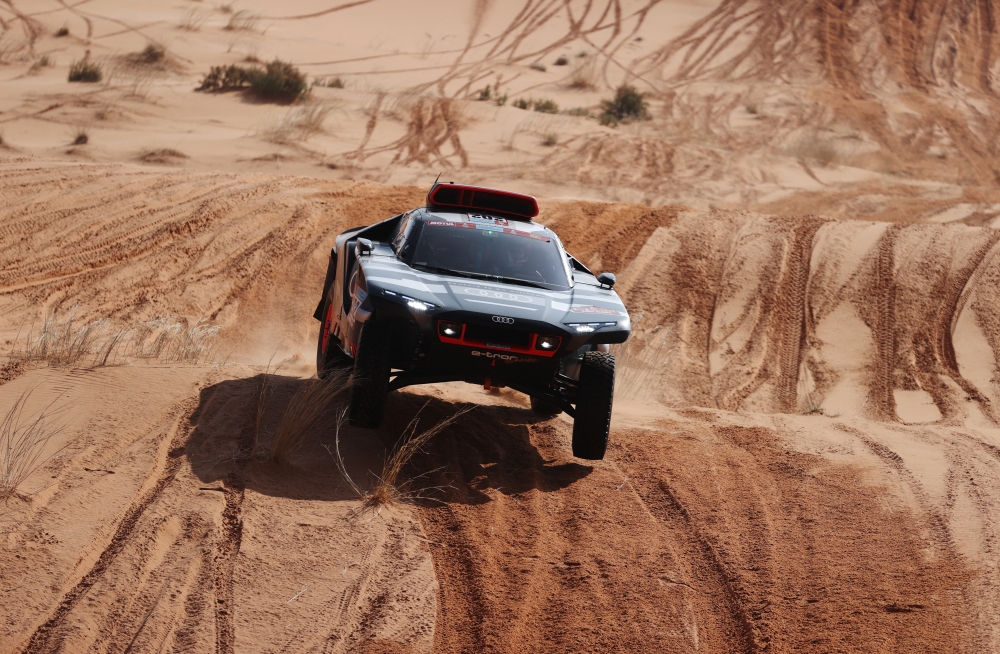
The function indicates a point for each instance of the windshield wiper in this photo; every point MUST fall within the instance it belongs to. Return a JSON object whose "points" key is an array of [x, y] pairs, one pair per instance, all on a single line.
{"points": [[479, 275], [446, 271], [515, 280]]}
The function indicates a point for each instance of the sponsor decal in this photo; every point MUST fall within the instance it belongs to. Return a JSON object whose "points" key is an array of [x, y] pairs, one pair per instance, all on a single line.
{"points": [[478, 291], [490, 229], [509, 358], [596, 310], [490, 220], [503, 320], [497, 346]]}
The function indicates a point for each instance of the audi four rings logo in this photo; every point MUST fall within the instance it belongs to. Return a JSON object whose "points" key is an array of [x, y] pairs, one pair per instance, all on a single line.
{"points": [[503, 319]]}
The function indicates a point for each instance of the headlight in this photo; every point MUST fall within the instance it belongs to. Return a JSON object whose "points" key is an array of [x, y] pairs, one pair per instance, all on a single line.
{"points": [[587, 327], [450, 329], [548, 343], [413, 303]]}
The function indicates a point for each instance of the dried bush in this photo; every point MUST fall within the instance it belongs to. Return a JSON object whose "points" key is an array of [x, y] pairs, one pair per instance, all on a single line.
{"points": [[299, 124], [583, 77], [304, 412], [388, 489], [539, 66], [242, 21], [546, 106], [85, 71], [82, 136], [562, 61], [550, 139], [193, 20], [161, 156]]}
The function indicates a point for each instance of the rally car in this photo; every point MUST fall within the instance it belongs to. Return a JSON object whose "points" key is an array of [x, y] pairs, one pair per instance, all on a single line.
{"points": [[469, 288]]}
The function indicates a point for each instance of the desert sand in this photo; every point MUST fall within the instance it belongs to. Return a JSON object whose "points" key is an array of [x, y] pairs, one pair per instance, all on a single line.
{"points": [[805, 447]]}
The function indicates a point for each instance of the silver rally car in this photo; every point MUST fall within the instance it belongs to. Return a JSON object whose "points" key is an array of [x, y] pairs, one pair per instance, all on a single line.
{"points": [[469, 288]]}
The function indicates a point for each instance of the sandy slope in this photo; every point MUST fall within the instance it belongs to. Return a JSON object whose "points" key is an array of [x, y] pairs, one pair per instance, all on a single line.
{"points": [[813, 468], [805, 448]]}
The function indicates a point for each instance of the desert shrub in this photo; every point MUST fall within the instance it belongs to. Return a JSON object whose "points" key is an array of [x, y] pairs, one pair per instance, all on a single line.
{"points": [[82, 136], [550, 139], [62, 31], [562, 61], [278, 81], [577, 111], [539, 66], [225, 78], [85, 71], [628, 104], [153, 53], [546, 106], [543, 106]]}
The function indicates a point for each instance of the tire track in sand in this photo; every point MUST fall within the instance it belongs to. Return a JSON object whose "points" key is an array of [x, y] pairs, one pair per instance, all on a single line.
{"points": [[47, 638]]}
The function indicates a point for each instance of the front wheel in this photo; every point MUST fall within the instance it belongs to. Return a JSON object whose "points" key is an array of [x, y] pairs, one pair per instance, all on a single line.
{"points": [[371, 375], [595, 394]]}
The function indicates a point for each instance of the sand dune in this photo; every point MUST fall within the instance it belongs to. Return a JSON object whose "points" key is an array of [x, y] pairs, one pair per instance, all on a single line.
{"points": [[825, 396], [805, 449]]}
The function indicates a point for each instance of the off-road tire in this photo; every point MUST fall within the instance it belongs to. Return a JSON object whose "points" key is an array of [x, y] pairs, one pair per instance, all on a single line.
{"points": [[334, 358], [595, 394], [544, 407], [371, 375]]}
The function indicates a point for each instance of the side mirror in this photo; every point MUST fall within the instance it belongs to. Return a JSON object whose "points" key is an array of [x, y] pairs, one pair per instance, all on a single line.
{"points": [[606, 279], [363, 247]]}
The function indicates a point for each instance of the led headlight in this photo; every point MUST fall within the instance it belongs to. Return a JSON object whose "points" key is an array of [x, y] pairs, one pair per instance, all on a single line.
{"points": [[547, 343], [450, 329], [413, 303], [587, 327]]}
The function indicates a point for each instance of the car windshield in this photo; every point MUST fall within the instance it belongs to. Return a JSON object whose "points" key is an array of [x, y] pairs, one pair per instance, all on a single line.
{"points": [[493, 250]]}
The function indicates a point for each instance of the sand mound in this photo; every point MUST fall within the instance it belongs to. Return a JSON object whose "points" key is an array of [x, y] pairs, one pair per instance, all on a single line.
{"points": [[770, 440]]}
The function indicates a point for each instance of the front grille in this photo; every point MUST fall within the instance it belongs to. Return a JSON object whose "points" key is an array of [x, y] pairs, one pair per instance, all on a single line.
{"points": [[491, 334]]}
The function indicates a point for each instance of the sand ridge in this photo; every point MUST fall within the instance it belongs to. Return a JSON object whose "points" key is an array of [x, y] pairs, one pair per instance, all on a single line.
{"points": [[805, 453]]}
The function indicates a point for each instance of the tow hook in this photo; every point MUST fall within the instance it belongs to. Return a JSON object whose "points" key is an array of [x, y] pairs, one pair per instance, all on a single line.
{"points": [[487, 384]]}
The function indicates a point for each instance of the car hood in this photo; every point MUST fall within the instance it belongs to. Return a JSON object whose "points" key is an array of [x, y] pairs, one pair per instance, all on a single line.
{"points": [[585, 302]]}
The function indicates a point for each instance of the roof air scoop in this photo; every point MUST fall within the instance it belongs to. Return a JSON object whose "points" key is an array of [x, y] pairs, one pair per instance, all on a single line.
{"points": [[475, 198]]}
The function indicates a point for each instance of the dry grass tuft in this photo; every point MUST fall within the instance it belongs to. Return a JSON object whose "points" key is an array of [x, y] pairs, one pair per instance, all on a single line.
{"points": [[85, 71], [162, 156], [193, 20], [584, 75], [299, 124], [22, 440], [309, 404], [242, 21], [388, 488], [64, 342]]}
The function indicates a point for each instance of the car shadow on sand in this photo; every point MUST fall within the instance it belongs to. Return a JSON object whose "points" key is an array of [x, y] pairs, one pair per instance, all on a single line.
{"points": [[490, 448]]}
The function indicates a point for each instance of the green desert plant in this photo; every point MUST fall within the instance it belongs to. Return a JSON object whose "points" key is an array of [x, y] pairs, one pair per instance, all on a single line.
{"points": [[546, 106], [85, 71], [277, 81], [627, 105]]}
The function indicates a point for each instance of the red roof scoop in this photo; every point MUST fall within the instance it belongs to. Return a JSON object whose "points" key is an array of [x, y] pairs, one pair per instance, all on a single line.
{"points": [[476, 198]]}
